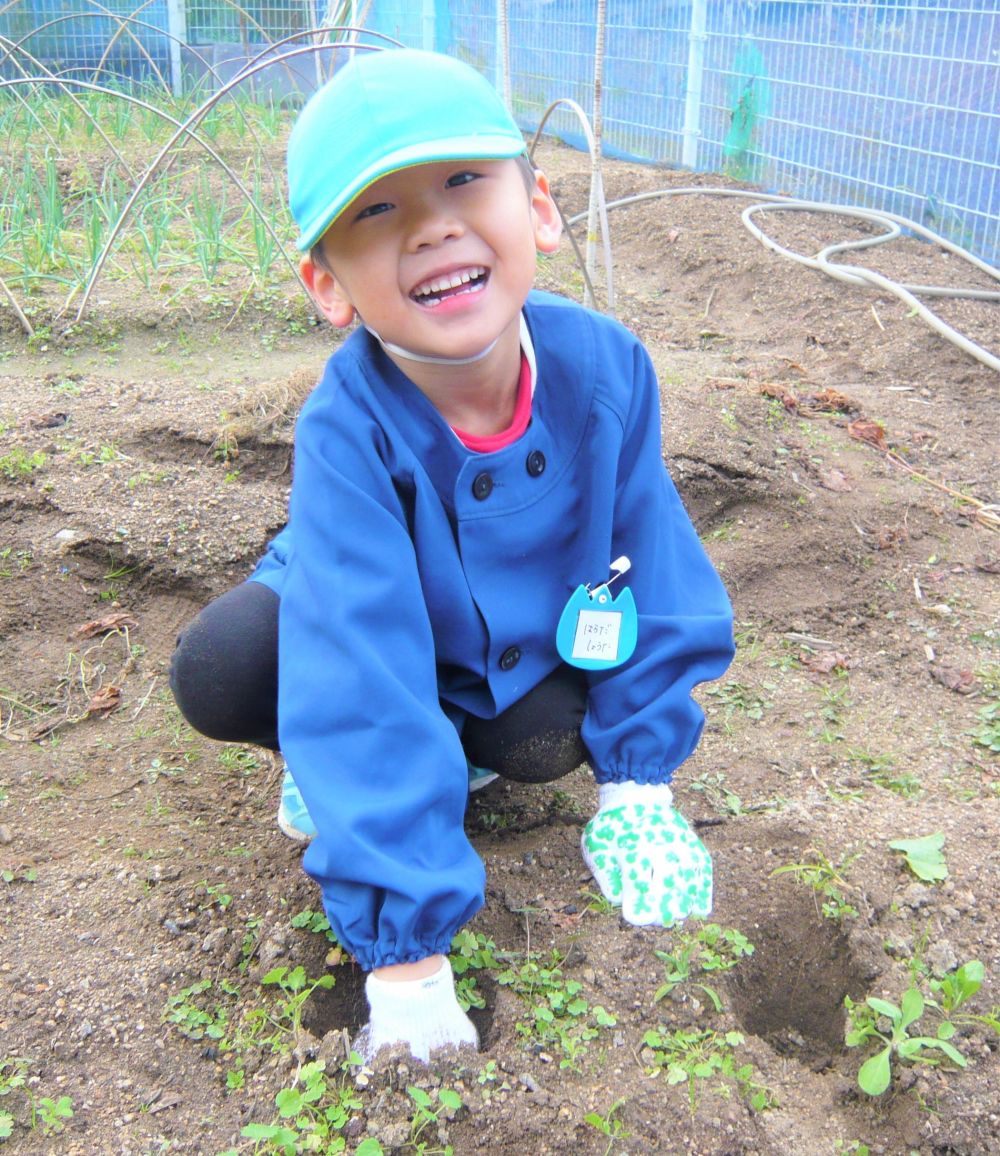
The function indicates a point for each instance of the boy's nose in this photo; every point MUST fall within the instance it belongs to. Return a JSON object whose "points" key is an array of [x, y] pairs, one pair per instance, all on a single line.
{"points": [[432, 226]]}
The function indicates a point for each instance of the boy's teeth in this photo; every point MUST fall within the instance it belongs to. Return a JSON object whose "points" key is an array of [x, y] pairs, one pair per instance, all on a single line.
{"points": [[444, 284]]}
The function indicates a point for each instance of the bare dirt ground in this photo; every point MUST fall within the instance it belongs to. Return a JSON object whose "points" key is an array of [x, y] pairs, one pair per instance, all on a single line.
{"points": [[839, 459]]}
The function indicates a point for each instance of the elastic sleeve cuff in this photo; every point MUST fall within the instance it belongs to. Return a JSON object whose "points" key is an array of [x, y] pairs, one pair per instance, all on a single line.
{"points": [[630, 794]]}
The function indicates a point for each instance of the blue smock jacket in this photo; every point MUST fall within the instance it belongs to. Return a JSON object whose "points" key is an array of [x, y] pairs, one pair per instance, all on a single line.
{"points": [[412, 566]]}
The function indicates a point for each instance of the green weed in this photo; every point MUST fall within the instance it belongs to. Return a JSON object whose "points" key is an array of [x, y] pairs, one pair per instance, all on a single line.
{"points": [[700, 1058], [284, 1015], [198, 1013], [827, 880], [559, 1016], [738, 698], [8, 555], [312, 1114], [879, 1020], [709, 950], [425, 1115], [712, 785], [471, 952], [19, 464], [987, 733], [45, 1113], [880, 768], [608, 1125], [315, 922]]}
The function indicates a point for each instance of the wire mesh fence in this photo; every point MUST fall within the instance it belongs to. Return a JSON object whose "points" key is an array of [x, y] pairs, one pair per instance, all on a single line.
{"points": [[893, 104]]}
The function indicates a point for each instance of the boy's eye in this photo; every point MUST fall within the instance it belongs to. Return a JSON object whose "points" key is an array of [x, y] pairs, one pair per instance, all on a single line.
{"points": [[462, 178], [373, 210]]}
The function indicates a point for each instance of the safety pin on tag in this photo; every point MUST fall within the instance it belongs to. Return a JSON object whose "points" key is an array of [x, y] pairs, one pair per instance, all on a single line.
{"points": [[597, 631]]}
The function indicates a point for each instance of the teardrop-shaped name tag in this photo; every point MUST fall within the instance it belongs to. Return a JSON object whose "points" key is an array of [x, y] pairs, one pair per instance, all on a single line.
{"points": [[596, 631]]}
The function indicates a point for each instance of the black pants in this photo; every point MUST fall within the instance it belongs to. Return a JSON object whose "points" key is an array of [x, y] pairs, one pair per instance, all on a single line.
{"points": [[224, 676]]}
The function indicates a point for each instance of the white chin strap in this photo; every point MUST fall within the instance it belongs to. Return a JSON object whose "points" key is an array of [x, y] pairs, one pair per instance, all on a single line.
{"points": [[424, 359]]}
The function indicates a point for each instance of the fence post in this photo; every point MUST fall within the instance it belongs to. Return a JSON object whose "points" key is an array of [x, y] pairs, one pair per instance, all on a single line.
{"points": [[502, 82], [695, 78], [428, 20], [177, 27]]}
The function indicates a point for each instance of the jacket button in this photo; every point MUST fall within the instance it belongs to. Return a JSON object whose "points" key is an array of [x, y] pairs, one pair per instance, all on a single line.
{"points": [[482, 487], [535, 463], [510, 658]]}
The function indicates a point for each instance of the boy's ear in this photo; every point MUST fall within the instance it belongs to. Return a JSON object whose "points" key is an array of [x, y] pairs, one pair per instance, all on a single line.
{"points": [[327, 293], [548, 223]]}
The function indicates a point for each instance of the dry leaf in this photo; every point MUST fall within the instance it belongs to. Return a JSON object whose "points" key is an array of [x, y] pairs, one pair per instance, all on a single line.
{"points": [[988, 565], [45, 420], [832, 401], [835, 480], [107, 699], [871, 432], [825, 662], [779, 393], [960, 681], [889, 537], [120, 620]]}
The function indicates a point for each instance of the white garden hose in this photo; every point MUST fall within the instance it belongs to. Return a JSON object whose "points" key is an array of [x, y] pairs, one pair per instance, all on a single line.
{"points": [[852, 274]]}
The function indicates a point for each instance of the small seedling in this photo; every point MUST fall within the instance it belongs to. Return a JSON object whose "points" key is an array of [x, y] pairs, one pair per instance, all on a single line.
{"points": [[718, 795], [712, 948], [316, 922], [608, 1125], [20, 464], [827, 880], [880, 769], [215, 896], [51, 1115], [560, 1017], [738, 698], [194, 1012], [239, 759], [924, 856], [950, 992], [286, 1016], [312, 1113], [694, 1057], [878, 1019], [987, 733], [46, 1113], [470, 952], [425, 1114], [957, 987]]}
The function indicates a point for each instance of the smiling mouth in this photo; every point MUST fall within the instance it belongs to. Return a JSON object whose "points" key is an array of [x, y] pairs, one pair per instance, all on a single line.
{"points": [[438, 289]]}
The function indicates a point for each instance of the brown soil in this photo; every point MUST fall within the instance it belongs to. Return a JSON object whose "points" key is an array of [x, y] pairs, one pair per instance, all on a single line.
{"points": [[139, 859]]}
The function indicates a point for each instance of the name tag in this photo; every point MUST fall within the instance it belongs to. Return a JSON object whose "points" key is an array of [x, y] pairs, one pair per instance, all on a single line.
{"points": [[596, 631]]}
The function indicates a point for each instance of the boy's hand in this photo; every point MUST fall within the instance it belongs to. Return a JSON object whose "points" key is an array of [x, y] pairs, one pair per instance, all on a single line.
{"points": [[645, 857], [421, 1013]]}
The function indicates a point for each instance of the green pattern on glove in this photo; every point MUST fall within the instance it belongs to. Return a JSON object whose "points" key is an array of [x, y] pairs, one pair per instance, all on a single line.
{"points": [[647, 860]]}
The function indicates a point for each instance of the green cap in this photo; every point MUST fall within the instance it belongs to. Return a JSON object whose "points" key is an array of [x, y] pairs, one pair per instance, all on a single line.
{"points": [[384, 111]]}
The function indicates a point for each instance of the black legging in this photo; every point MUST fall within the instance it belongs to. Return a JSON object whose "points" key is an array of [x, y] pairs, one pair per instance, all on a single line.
{"points": [[224, 676]]}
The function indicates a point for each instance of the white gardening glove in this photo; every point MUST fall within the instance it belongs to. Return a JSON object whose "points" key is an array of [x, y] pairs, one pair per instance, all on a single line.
{"points": [[421, 1013], [645, 857]]}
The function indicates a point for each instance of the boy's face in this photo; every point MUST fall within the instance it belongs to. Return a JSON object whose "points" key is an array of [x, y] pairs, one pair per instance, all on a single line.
{"points": [[437, 258]]}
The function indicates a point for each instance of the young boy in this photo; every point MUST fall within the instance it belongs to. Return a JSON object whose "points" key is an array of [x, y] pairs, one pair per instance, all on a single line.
{"points": [[485, 562]]}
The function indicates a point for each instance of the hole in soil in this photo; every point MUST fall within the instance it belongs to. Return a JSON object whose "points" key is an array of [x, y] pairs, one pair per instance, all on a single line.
{"points": [[341, 1006], [790, 992]]}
